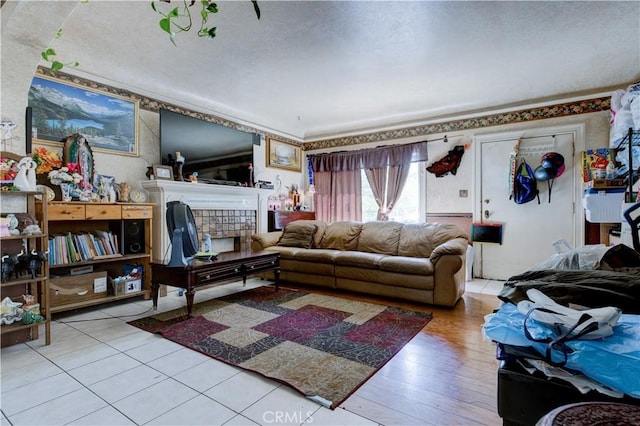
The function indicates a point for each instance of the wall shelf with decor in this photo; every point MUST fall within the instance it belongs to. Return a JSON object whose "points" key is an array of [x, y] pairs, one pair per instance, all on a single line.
{"points": [[93, 243], [31, 278]]}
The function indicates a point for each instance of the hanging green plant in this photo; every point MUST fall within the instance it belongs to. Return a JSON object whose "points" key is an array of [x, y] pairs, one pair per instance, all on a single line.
{"points": [[49, 55], [178, 19]]}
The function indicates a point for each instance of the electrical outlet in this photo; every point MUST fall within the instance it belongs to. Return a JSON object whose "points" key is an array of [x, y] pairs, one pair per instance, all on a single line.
{"points": [[463, 193]]}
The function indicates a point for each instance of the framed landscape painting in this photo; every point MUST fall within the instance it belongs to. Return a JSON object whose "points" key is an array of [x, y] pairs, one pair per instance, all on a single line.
{"points": [[59, 109], [283, 155]]}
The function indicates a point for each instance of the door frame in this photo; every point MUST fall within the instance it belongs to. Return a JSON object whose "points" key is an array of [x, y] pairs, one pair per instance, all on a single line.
{"points": [[578, 132]]}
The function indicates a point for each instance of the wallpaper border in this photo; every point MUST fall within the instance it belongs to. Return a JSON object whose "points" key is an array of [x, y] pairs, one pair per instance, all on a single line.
{"points": [[530, 114]]}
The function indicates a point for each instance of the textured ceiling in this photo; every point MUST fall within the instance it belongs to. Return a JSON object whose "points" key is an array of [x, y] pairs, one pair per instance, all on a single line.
{"points": [[311, 70]]}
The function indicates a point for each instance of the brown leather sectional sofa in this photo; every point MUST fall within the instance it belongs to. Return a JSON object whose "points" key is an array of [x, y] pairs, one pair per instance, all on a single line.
{"points": [[419, 262]]}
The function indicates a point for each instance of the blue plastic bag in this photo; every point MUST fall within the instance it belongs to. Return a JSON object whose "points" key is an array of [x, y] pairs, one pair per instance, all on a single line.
{"points": [[613, 361]]}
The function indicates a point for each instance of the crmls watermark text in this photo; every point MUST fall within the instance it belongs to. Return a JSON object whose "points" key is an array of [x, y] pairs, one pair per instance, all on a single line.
{"points": [[287, 417]]}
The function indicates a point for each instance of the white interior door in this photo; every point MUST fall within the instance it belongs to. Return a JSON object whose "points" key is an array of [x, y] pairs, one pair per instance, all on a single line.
{"points": [[530, 229]]}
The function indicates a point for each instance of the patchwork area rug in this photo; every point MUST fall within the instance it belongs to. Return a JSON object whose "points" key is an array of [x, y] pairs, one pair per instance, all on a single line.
{"points": [[323, 346]]}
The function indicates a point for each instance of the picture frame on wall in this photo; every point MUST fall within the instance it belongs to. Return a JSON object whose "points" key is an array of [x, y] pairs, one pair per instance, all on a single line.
{"points": [[283, 155], [60, 108], [162, 172]]}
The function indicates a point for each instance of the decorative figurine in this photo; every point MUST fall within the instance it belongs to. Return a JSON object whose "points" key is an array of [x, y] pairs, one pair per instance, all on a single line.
{"points": [[29, 299], [9, 263], [31, 310], [207, 243], [124, 192], [10, 311], [35, 262], [78, 151], [22, 264], [25, 180], [179, 164], [13, 224]]}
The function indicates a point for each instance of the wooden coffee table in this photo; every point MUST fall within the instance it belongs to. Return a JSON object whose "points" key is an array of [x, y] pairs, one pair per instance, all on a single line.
{"points": [[200, 273]]}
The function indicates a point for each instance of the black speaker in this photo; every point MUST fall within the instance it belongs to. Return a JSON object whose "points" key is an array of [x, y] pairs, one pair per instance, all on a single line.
{"points": [[133, 236], [28, 118]]}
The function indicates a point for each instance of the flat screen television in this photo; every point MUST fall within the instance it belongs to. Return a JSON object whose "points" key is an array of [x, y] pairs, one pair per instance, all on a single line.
{"points": [[218, 153]]}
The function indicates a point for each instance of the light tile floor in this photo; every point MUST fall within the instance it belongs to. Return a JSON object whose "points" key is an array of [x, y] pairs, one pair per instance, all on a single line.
{"points": [[101, 371]]}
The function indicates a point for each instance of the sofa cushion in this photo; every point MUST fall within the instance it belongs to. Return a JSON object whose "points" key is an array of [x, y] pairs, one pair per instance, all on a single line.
{"points": [[286, 252], [316, 255], [321, 224], [311, 268], [297, 234], [341, 236], [368, 277], [406, 265], [380, 237], [419, 239], [359, 258]]}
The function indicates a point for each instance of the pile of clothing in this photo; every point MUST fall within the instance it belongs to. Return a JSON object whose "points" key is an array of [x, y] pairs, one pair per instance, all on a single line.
{"points": [[579, 326]]}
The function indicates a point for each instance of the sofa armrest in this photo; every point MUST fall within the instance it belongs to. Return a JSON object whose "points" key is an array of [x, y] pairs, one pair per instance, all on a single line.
{"points": [[449, 261], [263, 240], [456, 246]]}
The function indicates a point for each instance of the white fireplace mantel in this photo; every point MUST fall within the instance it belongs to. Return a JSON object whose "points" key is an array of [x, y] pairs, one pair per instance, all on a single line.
{"points": [[200, 196]]}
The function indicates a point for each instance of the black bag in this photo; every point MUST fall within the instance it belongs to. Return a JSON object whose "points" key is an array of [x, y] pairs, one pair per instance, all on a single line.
{"points": [[525, 188]]}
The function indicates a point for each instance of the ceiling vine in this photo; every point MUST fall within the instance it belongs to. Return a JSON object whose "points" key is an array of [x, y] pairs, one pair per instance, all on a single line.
{"points": [[174, 20]]}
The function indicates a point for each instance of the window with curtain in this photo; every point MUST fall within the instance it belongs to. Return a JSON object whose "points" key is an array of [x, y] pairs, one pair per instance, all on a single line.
{"points": [[384, 171], [409, 206]]}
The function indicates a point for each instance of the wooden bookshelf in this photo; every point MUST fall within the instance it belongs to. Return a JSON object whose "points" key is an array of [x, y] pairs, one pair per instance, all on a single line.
{"points": [[129, 227]]}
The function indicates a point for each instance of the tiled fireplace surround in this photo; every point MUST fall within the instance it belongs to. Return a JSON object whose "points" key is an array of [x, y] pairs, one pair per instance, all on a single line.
{"points": [[221, 211], [238, 225]]}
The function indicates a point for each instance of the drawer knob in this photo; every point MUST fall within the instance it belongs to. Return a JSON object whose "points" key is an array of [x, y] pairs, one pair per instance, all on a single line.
{"points": [[236, 270], [207, 277], [252, 266]]}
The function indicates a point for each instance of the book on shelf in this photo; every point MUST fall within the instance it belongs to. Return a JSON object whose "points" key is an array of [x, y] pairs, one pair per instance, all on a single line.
{"points": [[109, 241], [83, 246], [72, 251], [52, 252]]}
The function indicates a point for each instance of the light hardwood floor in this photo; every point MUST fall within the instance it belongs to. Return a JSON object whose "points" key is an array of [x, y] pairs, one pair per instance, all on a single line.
{"points": [[446, 375]]}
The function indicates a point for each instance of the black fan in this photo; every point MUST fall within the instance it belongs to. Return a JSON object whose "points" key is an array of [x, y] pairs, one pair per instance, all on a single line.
{"points": [[182, 231]]}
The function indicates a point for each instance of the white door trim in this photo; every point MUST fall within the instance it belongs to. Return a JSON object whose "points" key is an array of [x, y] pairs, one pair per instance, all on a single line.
{"points": [[578, 131]]}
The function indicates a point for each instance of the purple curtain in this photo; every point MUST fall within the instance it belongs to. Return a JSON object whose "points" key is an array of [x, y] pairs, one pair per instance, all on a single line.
{"points": [[371, 158], [338, 196], [322, 197], [395, 183], [387, 184], [377, 181], [338, 185]]}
